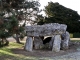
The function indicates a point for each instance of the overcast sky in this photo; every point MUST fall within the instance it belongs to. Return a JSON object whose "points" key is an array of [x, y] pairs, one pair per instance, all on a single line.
{"points": [[72, 4]]}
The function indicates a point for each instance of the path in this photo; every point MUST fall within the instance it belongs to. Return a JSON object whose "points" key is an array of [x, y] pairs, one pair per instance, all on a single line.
{"points": [[71, 56]]}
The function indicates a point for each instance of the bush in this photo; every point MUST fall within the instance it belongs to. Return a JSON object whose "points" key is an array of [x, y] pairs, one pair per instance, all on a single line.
{"points": [[71, 35], [4, 43], [0, 43], [76, 35]]}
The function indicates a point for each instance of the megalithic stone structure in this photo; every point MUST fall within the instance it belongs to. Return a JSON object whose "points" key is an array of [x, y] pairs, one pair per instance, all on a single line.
{"points": [[44, 30]]}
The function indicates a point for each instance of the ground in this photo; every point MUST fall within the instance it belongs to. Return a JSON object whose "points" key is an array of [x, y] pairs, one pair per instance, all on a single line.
{"points": [[16, 52], [46, 52]]}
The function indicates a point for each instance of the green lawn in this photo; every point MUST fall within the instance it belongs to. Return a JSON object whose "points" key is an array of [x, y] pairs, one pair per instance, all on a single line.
{"points": [[7, 54]]}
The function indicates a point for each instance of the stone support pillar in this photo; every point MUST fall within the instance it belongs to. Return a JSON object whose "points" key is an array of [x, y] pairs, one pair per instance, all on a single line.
{"points": [[51, 42], [65, 40], [29, 44], [38, 43], [56, 44]]}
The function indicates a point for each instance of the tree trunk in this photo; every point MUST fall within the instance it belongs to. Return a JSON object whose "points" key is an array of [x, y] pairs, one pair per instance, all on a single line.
{"points": [[17, 38], [2, 42]]}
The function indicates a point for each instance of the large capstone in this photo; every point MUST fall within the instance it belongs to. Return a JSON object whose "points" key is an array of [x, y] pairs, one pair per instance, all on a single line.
{"points": [[45, 30]]}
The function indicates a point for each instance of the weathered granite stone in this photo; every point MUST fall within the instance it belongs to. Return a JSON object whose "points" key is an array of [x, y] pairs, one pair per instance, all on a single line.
{"points": [[29, 44], [51, 42], [56, 44], [38, 43], [38, 31], [45, 30], [65, 40]]}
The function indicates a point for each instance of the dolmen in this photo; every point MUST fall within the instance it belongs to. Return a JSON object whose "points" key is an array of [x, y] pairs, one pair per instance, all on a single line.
{"points": [[58, 36]]}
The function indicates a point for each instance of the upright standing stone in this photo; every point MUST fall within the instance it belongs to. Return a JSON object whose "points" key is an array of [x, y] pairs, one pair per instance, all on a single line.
{"points": [[51, 42], [29, 44], [56, 44], [65, 40], [38, 44]]}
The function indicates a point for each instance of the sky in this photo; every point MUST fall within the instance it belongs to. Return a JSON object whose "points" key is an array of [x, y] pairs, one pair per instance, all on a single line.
{"points": [[72, 4]]}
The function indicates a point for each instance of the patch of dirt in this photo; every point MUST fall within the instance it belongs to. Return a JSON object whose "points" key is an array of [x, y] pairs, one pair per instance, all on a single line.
{"points": [[46, 52]]}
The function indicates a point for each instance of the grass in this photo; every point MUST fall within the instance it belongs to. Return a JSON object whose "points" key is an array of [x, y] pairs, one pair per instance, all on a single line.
{"points": [[7, 54]]}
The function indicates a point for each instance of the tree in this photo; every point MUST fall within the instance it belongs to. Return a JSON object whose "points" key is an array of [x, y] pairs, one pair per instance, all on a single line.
{"points": [[40, 20], [12, 12], [57, 13]]}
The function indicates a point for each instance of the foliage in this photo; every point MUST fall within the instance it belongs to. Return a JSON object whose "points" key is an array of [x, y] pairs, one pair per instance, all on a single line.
{"points": [[76, 35], [57, 13], [40, 20], [7, 53], [13, 12], [3, 43], [71, 35]]}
